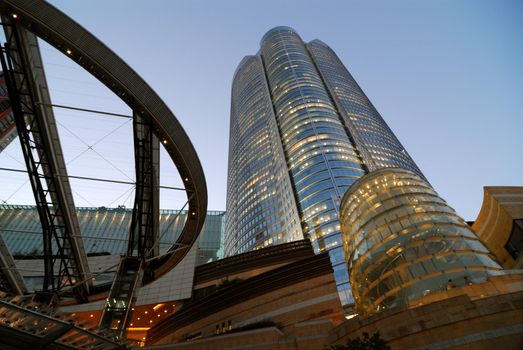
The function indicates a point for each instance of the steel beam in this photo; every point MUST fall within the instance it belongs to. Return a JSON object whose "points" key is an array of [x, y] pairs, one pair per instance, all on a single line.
{"points": [[10, 278], [144, 240], [36, 125], [70, 38]]}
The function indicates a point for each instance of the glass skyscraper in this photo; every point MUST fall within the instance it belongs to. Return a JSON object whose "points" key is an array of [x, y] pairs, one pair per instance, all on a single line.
{"points": [[302, 131]]}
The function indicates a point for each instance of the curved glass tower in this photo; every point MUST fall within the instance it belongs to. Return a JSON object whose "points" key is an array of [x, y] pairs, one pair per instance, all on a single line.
{"points": [[259, 191], [402, 242], [302, 131]]}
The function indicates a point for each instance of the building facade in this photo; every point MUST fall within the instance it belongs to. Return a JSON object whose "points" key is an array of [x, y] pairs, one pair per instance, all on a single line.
{"points": [[500, 224], [279, 297], [105, 232], [302, 131], [403, 242]]}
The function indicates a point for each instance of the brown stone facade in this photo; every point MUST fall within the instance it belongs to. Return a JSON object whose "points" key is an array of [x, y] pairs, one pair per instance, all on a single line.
{"points": [[502, 205], [280, 305], [476, 316], [479, 316]]}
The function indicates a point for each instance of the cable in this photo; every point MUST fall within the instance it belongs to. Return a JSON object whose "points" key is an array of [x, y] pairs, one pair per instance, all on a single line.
{"points": [[16, 191], [13, 158], [167, 228], [84, 94], [110, 133], [90, 147], [87, 110], [130, 191], [82, 197], [96, 179], [128, 198]]}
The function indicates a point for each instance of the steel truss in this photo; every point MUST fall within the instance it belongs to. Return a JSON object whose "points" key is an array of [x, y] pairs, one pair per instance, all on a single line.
{"points": [[153, 121], [10, 278], [144, 238], [65, 261], [144, 233]]}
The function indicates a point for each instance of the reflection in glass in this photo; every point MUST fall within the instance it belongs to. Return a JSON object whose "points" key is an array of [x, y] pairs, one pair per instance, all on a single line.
{"points": [[402, 241]]}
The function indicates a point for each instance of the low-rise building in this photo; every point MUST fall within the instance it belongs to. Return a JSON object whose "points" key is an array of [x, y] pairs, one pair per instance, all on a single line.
{"points": [[499, 224]]}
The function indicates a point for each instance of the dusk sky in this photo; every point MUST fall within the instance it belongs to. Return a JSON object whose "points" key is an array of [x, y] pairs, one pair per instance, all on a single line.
{"points": [[447, 77]]}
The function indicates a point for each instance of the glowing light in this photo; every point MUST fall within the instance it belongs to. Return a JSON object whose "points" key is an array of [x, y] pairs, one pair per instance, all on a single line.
{"points": [[348, 317], [15, 15], [69, 52]]}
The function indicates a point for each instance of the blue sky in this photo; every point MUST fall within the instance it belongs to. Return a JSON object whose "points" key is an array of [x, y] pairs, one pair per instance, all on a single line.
{"points": [[445, 75]]}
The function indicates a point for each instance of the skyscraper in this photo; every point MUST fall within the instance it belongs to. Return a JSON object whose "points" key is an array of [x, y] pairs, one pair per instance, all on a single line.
{"points": [[302, 131]]}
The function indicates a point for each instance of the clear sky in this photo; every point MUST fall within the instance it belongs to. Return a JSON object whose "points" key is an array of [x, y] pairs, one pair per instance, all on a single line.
{"points": [[446, 75]]}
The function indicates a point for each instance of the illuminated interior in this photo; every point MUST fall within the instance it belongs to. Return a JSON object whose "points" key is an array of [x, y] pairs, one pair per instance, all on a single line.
{"points": [[402, 241]]}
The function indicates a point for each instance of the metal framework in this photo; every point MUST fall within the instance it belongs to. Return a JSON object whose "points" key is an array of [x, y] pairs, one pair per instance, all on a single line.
{"points": [[48, 330], [116, 314], [65, 261], [144, 234], [10, 278], [24, 22]]}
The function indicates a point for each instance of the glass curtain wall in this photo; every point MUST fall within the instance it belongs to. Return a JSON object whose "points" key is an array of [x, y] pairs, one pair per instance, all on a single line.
{"points": [[321, 159], [402, 242], [302, 131], [260, 202]]}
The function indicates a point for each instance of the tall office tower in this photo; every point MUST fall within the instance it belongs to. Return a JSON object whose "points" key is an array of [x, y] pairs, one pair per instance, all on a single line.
{"points": [[302, 131]]}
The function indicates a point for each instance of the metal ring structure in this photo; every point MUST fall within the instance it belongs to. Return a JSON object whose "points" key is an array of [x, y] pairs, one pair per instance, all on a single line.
{"points": [[64, 34]]}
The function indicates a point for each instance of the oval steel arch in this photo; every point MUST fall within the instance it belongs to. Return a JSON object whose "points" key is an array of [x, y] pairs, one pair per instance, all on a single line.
{"points": [[63, 33]]}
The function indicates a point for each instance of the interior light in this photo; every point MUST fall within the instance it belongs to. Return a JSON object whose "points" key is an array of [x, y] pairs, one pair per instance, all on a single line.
{"points": [[164, 142], [15, 15], [348, 317], [69, 52]]}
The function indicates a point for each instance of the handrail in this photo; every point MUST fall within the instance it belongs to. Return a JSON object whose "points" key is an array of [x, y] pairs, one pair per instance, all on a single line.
{"points": [[72, 326]]}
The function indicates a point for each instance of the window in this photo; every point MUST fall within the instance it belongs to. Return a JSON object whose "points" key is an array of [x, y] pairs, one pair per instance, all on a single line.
{"points": [[514, 244]]}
